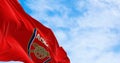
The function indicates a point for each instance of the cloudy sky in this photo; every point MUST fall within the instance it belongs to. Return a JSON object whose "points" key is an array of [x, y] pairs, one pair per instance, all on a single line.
{"points": [[89, 30]]}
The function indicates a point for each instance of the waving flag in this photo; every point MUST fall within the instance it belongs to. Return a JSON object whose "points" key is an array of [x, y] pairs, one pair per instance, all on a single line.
{"points": [[22, 38]]}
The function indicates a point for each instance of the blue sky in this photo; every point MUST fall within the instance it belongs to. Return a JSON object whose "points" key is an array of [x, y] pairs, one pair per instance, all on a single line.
{"points": [[89, 30]]}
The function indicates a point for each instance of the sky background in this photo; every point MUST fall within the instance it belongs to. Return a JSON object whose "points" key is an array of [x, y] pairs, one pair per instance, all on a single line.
{"points": [[88, 30]]}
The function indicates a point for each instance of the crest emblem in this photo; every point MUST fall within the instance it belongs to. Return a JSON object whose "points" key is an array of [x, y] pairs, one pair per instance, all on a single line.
{"points": [[38, 48]]}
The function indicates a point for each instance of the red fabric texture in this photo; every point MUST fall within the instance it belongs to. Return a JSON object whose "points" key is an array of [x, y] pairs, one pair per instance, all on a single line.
{"points": [[20, 33]]}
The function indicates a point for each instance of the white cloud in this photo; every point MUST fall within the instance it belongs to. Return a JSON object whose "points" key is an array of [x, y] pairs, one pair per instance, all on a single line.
{"points": [[12, 62], [108, 58]]}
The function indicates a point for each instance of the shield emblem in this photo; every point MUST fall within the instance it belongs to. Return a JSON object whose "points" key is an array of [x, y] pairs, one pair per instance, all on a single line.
{"points": [[38, 48]]}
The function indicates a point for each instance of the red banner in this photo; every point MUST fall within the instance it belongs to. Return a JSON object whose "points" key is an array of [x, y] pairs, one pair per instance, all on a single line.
{"points": [[23, 38]]}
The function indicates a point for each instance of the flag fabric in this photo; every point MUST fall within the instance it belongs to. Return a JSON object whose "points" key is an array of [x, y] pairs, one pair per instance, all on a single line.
{"points": [[23, 38]]}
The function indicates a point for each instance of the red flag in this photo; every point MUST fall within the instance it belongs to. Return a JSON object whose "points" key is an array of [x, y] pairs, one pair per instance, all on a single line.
{"points": [[22, 38]]}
